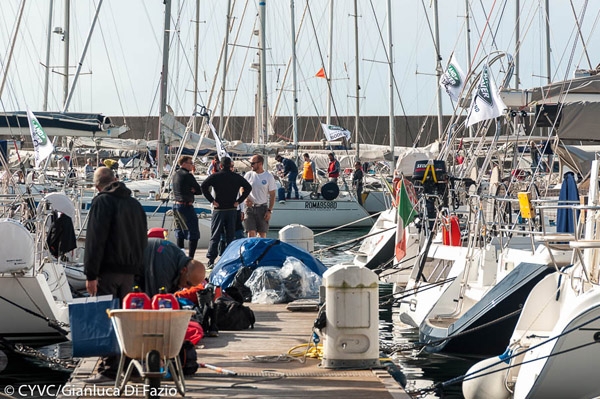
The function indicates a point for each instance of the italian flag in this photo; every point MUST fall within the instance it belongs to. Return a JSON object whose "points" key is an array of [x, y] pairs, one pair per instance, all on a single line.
{"points": [[405, 203]]}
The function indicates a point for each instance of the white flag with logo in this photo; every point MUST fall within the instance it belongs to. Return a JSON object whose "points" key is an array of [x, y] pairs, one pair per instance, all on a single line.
{"points": [[221, 151], [486, 103], [41, 142], [333, 132], [453, 80]]}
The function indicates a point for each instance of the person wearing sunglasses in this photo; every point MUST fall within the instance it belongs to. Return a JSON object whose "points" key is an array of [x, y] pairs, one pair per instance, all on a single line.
{"points": [[260, 202]]}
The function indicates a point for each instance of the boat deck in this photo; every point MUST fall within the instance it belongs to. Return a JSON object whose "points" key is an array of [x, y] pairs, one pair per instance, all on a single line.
{"points": [[277, 330]]}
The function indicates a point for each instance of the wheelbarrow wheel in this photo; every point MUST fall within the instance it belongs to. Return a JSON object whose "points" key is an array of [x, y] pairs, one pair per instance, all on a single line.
{"points": [[152, 383]]}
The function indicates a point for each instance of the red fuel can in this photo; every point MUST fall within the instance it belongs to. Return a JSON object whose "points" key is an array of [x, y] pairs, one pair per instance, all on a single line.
{"points": [[137, 300], [163, 300]]}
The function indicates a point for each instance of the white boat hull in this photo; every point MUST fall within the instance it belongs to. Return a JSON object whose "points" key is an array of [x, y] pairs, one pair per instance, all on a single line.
{"points": [[320, 214]]}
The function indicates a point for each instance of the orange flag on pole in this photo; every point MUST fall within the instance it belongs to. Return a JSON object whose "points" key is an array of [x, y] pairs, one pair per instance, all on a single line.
{"points": [[321, 73]]}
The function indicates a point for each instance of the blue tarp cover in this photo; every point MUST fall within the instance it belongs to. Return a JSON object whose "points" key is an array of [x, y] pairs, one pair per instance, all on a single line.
{"points": [[565, 223], [255, 252]]}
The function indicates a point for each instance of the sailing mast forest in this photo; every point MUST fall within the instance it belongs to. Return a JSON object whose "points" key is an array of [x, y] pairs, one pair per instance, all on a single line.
{"points": [[121, 73]]}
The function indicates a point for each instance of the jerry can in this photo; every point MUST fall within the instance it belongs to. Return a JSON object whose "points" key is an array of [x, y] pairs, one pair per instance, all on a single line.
{"points": [[163, 300], [136, 299]]}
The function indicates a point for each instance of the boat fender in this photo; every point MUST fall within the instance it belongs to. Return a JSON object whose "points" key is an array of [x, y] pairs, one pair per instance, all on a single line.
{"points": [[491, 383], [451, 231], [330, 191]]}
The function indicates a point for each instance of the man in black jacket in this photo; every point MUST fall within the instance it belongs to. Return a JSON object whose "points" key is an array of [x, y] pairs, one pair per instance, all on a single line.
{"points": [[114, 246], [226, 185], [185, 187]]}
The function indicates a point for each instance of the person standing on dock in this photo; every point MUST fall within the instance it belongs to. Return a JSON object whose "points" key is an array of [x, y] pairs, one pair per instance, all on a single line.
{"points": [[226, 185], [114, 247], [260, 202], [333, 170], [291, 171], [185, 187], [357, 181]]}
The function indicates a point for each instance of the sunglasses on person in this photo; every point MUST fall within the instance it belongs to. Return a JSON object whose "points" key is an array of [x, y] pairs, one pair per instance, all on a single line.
{"points": [[254, 163]]}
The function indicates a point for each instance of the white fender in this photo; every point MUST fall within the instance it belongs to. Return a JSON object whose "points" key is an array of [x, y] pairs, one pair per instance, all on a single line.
{"points": [[489, 386]]}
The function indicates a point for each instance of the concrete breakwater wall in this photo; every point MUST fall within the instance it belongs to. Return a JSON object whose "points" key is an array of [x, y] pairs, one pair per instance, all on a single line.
{"points": [[373, 129]]}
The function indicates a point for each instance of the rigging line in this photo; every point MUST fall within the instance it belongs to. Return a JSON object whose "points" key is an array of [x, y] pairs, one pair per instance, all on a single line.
{"points": [[494, 44], [112, 72], [328, 74], [479, 42], [387, 57], [475, 374], [578, 23], [239, 81], [435, 45], [211, 92], [289, 63]]}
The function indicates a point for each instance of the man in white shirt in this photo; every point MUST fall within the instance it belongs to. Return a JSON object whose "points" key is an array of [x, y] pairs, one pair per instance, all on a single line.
{"points": [[260, 202]]}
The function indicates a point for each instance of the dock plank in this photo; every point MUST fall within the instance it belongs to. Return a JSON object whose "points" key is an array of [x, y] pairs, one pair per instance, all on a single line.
{"points": [[277, 330]]}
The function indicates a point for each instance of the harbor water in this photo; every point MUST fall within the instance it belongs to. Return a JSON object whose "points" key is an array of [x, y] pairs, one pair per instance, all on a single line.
{"points": [[421, 370]]}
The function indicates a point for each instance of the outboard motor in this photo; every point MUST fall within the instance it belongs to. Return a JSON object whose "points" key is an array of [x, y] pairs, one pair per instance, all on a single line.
{"points": [[431, 177]]}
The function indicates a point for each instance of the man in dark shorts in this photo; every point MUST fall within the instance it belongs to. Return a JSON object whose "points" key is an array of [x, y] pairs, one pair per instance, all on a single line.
{"points": [[260, 202]]}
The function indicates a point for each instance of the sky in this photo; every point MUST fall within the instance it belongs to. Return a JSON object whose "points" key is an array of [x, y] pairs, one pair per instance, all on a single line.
{"points": [[121, 72]]}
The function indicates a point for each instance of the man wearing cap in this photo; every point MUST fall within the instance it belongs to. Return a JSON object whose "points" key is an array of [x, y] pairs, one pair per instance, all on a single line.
{"points": [[227, 186], [260, 202], [185, 187], [291, 171]]}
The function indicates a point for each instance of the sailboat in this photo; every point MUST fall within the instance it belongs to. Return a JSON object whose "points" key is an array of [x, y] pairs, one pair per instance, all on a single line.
{"points": [[34, 291], [553, 349]]}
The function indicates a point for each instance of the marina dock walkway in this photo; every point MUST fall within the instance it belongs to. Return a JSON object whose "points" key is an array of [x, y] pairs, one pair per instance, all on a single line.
{"points": [[277, 330]]}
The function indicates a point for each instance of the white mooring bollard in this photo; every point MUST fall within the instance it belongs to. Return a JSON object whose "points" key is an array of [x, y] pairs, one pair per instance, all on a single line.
{"points": [[351, 336], [298, 235]]}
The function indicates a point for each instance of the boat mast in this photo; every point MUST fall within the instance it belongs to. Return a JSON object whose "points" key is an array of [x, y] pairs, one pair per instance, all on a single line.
{"points": [[391, 78], [329, 63], [66, 35], [196, 41], [294, 82], [468, 44], [12, 47], [263, 72], [438, 68], [225, 50], [517, 42], [548, 42], [47, 74], [356, 119], [80, 64], [163, 85]]}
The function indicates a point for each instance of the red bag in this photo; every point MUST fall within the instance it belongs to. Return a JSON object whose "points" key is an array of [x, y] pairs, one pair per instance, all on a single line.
{"points": [[194, 332]]}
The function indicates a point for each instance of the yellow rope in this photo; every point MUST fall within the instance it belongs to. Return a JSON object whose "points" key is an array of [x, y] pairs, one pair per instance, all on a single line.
{"points": [[307, 350]]}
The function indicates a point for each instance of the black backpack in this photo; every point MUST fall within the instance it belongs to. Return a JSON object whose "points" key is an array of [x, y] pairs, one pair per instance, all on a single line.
{"points": [[61, 237], [188, 358], [233, 315]]}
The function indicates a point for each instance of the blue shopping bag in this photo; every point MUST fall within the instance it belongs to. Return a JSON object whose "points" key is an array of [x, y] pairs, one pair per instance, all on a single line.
{"points": [[92, 333]]}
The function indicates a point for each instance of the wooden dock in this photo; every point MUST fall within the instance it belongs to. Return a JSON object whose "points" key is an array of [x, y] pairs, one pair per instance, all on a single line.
{"points": [[277, 330]]}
